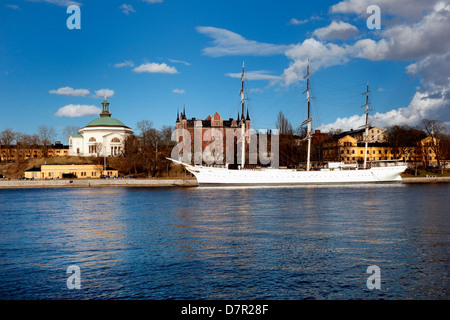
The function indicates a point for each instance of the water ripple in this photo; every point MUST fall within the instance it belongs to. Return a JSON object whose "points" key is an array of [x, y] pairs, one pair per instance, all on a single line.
{"points": [[226, 243]]}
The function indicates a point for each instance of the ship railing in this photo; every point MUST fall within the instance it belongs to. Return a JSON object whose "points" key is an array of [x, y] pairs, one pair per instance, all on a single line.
{"points": [[385, 163]]}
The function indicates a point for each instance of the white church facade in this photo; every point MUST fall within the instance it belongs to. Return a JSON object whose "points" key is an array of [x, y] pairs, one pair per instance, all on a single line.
{"points": [[104, 136]]}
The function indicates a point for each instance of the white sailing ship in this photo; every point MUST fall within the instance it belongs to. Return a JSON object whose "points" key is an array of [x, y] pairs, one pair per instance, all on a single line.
{"points": [[334, 173]]}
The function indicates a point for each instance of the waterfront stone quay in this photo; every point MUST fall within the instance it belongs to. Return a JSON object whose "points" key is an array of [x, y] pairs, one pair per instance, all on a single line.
{"points": [[158, 182], [430, 179], [61, 183]]}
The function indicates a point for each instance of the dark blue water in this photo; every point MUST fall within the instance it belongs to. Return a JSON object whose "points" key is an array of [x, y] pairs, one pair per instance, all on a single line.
{"points": [[227, 243]]}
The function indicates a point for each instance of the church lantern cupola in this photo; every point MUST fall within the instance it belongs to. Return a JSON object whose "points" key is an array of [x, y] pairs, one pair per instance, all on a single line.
{"points": [[105, 109]]}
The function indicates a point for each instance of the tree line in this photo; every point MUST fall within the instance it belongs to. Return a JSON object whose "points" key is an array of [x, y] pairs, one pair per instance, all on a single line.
{"points": [[146, 151], [43, 139], [400, 138]]}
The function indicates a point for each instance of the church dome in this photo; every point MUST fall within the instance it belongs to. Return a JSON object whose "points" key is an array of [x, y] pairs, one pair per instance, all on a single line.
{"points": [[105, 119]]}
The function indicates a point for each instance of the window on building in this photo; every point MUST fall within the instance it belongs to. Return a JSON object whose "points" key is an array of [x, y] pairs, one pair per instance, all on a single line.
{"points": [[92, 139], [115, 140]]}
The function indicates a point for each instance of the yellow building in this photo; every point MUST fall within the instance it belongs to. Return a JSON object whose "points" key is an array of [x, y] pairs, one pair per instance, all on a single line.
{"points": [[427, 151], [349, 148], [17, 152], [59, 171]]}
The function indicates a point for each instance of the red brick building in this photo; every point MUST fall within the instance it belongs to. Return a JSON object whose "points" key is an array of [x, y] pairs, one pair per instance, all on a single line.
{"points": [[213, 131]]}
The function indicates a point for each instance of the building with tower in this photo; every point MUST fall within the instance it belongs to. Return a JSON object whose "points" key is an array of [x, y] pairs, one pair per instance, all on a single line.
{"points": [[103, 136], [212, 131], [215, 135]]}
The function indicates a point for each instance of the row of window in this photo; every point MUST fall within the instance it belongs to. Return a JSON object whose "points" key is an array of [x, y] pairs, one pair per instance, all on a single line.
{"points": [[115, 150], [116, 140], [368, 152], [386, 158], [81, 174]]}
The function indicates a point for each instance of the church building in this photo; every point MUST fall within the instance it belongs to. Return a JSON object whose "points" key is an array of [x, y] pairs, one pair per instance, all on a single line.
{"points": [[104, 136]]}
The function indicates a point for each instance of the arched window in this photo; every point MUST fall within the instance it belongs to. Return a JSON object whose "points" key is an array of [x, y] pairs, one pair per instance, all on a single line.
{"points": [[92, 139], [115, 140]]}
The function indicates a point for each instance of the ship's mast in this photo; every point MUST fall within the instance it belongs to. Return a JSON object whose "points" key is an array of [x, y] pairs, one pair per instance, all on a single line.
{"points": [[242, 119], [366, 133], [309, 120]]}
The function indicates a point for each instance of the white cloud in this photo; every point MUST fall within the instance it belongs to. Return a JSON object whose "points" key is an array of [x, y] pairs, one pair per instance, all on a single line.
{"points": [[155, 68], [228, 43], [13, 6], [68, 91], [257, 90], [127, 63], [179, 91], [322, 55], [336, 30], [104, 93], [297, 22], [127, 8], [77, 110], [255, 75], [434, 71], [153, 1], [180, 61], [424, 104], [417, 32], [421, 40], [61, 3], [406, 9]]}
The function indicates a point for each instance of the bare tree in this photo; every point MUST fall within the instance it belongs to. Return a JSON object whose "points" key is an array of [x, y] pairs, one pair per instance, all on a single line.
{"points": [[283, 125], [69, 131], [47, 135], [144, 127], [22, 145], [98, 150], [404, 139], [437, 130], [7, 137]]}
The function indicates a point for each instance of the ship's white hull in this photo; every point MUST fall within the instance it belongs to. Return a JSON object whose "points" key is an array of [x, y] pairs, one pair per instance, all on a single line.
{"points": [[224, 176]]}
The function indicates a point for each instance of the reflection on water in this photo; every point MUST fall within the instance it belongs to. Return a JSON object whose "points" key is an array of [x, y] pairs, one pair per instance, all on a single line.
{"points": [[226, 243]]}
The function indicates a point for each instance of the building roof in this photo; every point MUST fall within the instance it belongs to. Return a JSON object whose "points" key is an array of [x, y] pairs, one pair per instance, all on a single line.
{"points": [[106, 121], [34, 169]]}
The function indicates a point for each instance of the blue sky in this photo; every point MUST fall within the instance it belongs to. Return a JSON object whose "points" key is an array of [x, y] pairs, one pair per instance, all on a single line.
{"points": [[152, 57]]}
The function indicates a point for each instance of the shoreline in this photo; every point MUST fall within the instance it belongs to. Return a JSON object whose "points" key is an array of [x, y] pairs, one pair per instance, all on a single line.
{"points": [[87, 183], [158, 182], [411, 180]]}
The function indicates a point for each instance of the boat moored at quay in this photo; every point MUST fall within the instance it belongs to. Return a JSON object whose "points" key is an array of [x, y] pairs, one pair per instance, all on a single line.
{"points": [[331, 173]]}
